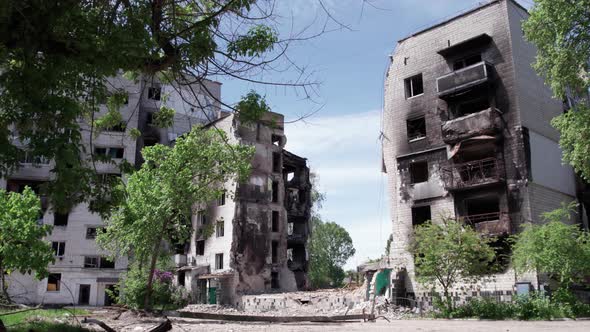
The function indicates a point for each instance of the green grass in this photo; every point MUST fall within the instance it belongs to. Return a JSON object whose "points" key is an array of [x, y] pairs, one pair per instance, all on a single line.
{"points": [[21, 317], [47, 327]]}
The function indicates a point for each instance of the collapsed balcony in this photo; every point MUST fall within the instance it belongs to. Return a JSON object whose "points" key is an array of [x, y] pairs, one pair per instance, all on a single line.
{"points": [[252, 193], [463, 79], [297, 185], [473, 174], [297, 257], [494, 223], [484, 213], [482, 122], [297, 232]]}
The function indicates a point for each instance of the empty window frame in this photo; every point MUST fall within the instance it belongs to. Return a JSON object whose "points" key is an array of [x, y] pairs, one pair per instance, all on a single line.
{"points": [[116, 152], [416, 128], [106, 263], [275, 192], [472, 105], [274, 252], [90, 262], [276, 139], [274, 280], [483, 208], [466, 61], [59, 248], [414, 86], [155, 92], [91, 233], [219, 261], [200, 248], [60, 219], [276, 162], [419, 171], [54, 282], [221, 199], [149, 118], [420, 214], [219, 228], [202, 218], [111, 152], [275, 221], [181, 278]]}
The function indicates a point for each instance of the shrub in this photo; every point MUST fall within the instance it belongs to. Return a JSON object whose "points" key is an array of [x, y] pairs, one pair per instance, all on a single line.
{"points": [[485, 308], [133, 286], [534, 306]]}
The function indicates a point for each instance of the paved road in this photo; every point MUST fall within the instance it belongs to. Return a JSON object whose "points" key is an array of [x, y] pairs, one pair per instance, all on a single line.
{"points": [[183, 325]]}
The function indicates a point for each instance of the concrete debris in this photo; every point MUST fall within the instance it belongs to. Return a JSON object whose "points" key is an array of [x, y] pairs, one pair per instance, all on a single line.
{"points": [[327, 302]]}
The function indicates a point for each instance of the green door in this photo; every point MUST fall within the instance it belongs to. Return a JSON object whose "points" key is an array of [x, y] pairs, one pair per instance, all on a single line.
{"points": [[212, 295]]}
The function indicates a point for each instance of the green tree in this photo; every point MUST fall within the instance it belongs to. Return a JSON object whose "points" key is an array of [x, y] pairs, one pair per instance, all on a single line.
{"points": [[22, 248], [560, 31], [448, 253], [554, 248], [161, 197], [56, 58], [330, 248]]}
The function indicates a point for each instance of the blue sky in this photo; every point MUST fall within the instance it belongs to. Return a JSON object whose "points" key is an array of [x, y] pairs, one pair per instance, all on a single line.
{"points": [[341, 140]]}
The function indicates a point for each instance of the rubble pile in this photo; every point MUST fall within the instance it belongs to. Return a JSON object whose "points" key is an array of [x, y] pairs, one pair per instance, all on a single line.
{"points": [[319, 303]]}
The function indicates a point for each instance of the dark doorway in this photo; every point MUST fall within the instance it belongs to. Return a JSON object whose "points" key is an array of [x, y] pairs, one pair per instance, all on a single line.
{"points": [[110, 295], [84, 295]]}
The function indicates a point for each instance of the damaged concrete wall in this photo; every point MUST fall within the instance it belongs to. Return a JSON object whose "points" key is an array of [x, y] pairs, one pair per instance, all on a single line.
{"points": [[434, 53], [257, 245]]}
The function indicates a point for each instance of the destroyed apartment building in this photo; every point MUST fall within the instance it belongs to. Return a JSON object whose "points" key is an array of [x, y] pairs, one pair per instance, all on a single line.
{"points": [[265, 230], [467, 134], [260, 240]]}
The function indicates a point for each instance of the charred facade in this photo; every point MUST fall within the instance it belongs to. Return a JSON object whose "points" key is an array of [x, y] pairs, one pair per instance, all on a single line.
{"points": [[467, 135], [261, 226]]}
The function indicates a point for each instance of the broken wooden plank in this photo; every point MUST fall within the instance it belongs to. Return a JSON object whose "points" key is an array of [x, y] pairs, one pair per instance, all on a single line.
{"points": [[273, 319], [99, 323], [162, 327]]}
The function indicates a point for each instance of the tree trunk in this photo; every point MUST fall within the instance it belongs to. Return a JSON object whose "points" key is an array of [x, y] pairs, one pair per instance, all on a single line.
{"points": [[448, 301], [155, 253], [2, 328], [4, 286]]}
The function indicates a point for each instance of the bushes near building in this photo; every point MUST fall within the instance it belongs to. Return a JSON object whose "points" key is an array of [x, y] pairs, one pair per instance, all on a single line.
{"points": [[534, 306]]}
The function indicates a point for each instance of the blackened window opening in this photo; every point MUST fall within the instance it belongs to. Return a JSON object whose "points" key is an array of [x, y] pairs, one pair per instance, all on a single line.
{"points": [[275, 192], [274, 280], [416, 128], [275, 252], [420, 215], [419, 171], [467, 61], [60, 219], [275, 221]]}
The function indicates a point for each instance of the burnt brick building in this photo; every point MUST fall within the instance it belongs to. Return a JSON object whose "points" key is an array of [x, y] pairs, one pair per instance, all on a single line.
{"points": [[467, 134]]}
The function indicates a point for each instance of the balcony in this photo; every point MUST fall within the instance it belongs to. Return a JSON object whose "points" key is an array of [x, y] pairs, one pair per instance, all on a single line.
{"points": [[495, 223], [463, 79], [180, 260], [485, 122], [473, 174], [252, 193]]}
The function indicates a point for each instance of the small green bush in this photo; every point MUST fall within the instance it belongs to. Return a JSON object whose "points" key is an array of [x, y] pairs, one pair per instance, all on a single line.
{"points": [[484, 308], [132, 288]]}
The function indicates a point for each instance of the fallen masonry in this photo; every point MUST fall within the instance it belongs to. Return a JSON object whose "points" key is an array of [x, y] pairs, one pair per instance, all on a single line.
{"points": [[338, 304]]}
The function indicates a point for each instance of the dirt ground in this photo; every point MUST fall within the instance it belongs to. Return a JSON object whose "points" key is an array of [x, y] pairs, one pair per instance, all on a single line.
{"points": [[127, 321]]}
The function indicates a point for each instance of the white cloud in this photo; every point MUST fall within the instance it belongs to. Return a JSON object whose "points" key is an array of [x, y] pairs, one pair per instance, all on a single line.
{"points": [[346, 153]]}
